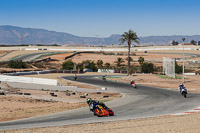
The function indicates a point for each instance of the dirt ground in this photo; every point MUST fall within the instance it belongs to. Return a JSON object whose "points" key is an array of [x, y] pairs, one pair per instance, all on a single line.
{"points": [[16, 105], [167, 124], [3, 52]]}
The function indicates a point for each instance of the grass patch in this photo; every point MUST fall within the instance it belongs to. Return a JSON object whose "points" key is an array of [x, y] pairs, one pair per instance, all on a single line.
{"points": [[194, 67]]}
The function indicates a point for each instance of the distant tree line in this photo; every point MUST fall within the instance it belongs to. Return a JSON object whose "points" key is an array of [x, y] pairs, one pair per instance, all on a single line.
{"points": [[29, 45], [174, 43], [145, 67]]}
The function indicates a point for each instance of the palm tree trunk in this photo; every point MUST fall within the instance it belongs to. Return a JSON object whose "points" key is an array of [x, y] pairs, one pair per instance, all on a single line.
{"points": [[129, 49]]}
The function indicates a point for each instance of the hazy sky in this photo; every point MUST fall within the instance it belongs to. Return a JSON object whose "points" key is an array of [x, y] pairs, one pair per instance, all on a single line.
{"points": [[104, 17]]}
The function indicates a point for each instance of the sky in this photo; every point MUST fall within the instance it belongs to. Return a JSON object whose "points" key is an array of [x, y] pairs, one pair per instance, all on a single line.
{"points": [[102, 18]]}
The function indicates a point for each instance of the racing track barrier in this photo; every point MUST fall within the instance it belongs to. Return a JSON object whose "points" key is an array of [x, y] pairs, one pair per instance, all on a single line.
{"points": [[106, 70], [111, 71], [28, 80]]}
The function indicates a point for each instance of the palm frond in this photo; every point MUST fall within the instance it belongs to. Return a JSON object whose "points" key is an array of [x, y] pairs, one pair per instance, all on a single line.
{"points": [[129, 37]]}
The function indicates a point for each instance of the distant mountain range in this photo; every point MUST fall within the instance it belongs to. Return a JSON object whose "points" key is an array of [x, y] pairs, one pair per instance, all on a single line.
{"points": [[12, 35]]}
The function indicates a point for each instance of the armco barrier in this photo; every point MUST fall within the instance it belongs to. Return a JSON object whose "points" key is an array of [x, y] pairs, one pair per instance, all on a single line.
{"points": [[105, 70], [28, 80], [111, 71], [27, 73]]}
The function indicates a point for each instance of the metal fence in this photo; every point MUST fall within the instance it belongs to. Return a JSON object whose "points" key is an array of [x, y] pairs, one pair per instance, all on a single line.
{"points": [[169, 67]]}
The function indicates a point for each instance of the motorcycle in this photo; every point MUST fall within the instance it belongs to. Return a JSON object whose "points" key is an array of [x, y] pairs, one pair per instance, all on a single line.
{"points": [[184, 92], [133, 84], [100, 111], [104, 78], [75, 77]]}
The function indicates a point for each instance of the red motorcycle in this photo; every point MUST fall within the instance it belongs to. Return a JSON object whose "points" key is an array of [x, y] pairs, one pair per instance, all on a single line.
{"points": [[103, 111], [133, 84]]}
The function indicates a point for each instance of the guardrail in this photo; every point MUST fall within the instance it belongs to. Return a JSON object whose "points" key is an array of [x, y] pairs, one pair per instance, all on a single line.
{"points": [[27, 73], [28, 80], [111, 71], [106, 70]]}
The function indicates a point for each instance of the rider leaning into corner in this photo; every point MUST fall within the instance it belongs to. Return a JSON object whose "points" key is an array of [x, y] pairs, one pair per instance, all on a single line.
{"points": [[104, 77], [132, 82], [92, 104], [182, 88], [75, 77]]}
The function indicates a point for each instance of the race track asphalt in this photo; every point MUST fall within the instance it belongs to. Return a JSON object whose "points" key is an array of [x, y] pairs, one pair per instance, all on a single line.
{"points": [[31, 56], [142, 102]]}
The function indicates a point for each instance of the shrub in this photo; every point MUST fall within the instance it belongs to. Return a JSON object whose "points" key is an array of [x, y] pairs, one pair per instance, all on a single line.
{"points": [[68, 65], [107, 65], [141, 60], [99, 63], [119, 61], [147, 68], [90, 65], [178, 68], [107, 53], [131, 59], [17, 64], [80, 66]]}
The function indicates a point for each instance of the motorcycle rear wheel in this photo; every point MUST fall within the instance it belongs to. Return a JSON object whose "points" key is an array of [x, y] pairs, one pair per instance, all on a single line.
{"points": [[184, 94]]}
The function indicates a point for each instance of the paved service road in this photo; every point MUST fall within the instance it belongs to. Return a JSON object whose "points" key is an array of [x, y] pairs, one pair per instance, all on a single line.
{"points": [[142, 102], [32, 56]]}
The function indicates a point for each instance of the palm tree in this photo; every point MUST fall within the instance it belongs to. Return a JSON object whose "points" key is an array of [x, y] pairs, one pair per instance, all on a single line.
{"points": [[99, 63], [130, 37], [107, 65], [141, 60], [118, 62]]}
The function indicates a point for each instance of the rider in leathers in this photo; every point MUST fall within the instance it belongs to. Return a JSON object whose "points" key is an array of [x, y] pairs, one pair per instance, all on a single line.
{"points": [[92, 104], [182, 88]]}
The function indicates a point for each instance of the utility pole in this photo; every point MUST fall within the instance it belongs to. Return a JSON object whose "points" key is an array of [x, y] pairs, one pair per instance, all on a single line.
{"points": [[183, 39]]}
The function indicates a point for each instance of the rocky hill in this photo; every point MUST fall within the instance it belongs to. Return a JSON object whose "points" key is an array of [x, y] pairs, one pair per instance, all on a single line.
{"points": [[12, 35]]}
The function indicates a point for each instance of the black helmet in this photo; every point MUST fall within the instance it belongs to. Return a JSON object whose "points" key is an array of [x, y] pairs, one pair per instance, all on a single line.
{"points": [[89, 100]]}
